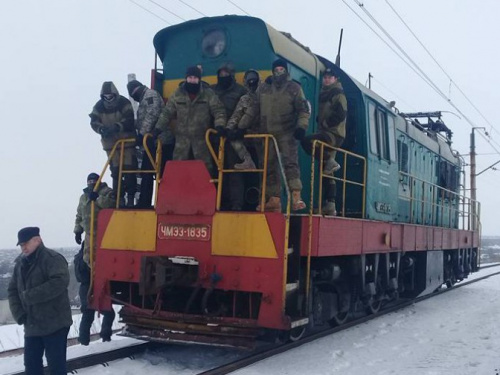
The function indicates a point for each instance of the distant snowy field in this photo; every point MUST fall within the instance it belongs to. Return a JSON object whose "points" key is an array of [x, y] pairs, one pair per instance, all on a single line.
{"points": [[452, 334]]}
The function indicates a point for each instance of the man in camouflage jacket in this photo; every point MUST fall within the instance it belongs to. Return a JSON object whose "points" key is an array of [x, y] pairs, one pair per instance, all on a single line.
{"points": [[284, 113], [194, 106], [229, 93], [331, 119], [113, 118], [38, 299], [104, 197], [150, 107], [244, 119]]}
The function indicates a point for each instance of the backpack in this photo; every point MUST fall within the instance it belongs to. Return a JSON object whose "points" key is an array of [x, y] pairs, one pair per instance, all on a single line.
{"points": [[82, 270]]}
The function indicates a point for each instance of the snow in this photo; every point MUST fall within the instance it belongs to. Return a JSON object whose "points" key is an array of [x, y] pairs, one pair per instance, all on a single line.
{"points": [[454, 333]]}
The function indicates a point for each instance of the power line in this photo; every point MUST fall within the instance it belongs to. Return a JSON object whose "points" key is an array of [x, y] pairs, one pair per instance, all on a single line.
{"points": [[165, 9], [193, 8], [393, 93], [240, 8], [383, 40], [147, 10], [452, 82]]}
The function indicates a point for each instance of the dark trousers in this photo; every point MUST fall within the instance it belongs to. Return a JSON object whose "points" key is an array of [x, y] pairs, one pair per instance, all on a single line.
{"points": [[54, 346], [88, 318], [147, 182], [329, 187], [233, 183]]}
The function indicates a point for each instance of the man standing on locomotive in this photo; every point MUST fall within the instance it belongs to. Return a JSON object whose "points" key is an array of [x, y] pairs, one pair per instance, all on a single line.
{"points": [[331, 130], [229, 93], [113, 118], [150, 107], [284, 113], [194, 106], [244, 119]]}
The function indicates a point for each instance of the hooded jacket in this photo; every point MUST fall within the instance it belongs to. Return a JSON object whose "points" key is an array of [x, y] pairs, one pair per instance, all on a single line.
{"points": [[332, 112], [38, 292], [106, 115]]}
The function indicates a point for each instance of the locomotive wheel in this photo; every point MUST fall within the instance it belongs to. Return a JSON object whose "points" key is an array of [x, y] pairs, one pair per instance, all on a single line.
{"points": [[296, 333], [339, 319], [373, 307]]}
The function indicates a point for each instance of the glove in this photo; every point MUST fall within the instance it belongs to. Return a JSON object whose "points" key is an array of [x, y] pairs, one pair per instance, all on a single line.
{"points": [[236, 134], [221, 131], [299, 134], [138, 140], [93, 195], [22, 320], [78, 238]]}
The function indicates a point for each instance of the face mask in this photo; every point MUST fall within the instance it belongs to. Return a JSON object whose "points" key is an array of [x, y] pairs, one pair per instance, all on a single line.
{"points": [[192, 88], [137, 94], [225, 82], [252, 84], [278, 73]]}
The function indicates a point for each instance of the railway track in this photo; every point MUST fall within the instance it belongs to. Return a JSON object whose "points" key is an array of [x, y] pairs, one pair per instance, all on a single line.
{"points": [[264, 352]]}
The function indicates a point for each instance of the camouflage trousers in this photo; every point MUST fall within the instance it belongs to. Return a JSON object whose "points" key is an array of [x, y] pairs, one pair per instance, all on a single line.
{"points": [[193, 148], [329, 185], [86, 247], [289, 155]]}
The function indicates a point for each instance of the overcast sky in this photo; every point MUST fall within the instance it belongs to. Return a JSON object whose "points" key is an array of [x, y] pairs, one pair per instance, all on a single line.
{"points": [[56, 54]]}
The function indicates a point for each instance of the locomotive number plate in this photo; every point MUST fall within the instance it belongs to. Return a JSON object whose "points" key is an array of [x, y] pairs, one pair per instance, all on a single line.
{"points": [[196, 232]]}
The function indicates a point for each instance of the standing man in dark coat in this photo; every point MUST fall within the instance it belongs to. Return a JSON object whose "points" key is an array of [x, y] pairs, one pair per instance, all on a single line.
{"points": [[229, 93], [38, 299], [150, 107], [284, 113], [331, 130], [113, 118]]}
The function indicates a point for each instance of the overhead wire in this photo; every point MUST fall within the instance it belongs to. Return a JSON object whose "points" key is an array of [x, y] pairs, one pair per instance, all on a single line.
{"points": [[193, 8], [427, 78], [150, 12], [452, 82], [240, 8], [167, 10]]}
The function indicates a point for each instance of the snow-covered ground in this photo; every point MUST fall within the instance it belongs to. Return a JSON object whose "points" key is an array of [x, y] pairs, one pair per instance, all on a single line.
{"points": [[455, 333]]}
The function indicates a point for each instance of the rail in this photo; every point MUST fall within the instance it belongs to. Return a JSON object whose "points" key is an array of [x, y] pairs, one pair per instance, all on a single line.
{"points": [[440, 206], [322, 176], [120, 145], [219, 158]]}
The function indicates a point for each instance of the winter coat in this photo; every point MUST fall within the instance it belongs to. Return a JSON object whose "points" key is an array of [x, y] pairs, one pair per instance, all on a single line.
{"points": [[106, 115], [150, 107], [230, 96], [194, 117], [332, 112], [38, 292], [106, 199], [283, 106], [246, 113]]}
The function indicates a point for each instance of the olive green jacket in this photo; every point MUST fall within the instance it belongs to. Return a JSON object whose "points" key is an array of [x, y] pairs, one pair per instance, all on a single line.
{"points": [[283, 107], [38, 292], [106, 199], [194, 117], [332, 112]]}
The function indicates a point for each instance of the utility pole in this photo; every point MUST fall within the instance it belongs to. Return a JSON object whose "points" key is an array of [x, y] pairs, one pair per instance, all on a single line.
{"points": [[473, 176], [370, 80]]}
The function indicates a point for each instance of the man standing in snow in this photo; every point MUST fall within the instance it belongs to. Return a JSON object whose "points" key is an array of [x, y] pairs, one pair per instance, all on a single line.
{"points": [[38, 299]]}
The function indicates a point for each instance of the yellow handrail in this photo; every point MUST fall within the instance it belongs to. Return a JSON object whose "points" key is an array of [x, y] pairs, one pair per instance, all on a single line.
{"points": [[322, 145], [156, 165]]}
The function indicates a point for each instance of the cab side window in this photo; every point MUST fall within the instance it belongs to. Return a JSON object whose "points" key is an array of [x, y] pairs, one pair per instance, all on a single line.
{"points": [[382, 141]]}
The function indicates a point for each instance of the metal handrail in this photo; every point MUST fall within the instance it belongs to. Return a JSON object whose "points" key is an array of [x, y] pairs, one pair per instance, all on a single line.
{"points": [[219, 160], [453, 202], [155, 163], [322, 145]]}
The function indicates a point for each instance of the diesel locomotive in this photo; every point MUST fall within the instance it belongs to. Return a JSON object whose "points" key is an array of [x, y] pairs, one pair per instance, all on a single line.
{"points": [[188, 271]]}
